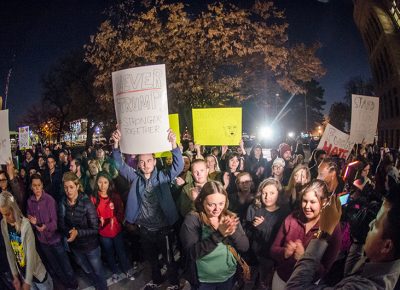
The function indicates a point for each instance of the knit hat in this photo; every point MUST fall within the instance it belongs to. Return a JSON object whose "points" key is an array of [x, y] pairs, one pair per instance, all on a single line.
{"points": [[279, 161], [283, 147]]}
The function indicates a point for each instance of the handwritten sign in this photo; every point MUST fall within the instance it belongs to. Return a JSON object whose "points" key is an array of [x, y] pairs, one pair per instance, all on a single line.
{"points": [[217, 126], [364, 118], [23, 138], [141, 106], [335, 142], [174, 125], [5, 146]]}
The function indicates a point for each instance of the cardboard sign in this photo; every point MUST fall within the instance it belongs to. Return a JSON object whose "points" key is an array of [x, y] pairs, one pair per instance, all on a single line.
{"points": [[217, 126], [5, 145], [141, 107], [335, 142], [174, 125], [23, 138], [364, 118]]}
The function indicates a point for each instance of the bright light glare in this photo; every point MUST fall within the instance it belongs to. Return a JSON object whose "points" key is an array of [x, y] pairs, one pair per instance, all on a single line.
{"points": [[265, 133], [291, 134]]}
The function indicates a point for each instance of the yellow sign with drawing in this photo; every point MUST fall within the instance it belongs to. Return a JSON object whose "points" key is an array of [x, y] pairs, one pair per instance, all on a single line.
{"points": [[174, 125], [217, 126]]}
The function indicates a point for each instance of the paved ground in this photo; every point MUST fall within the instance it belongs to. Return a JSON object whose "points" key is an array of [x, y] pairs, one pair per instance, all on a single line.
{"points": [[142, 276]]}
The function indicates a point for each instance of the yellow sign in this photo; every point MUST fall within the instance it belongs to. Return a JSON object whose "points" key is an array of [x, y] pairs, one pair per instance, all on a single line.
{"points": [[174, 125], [217, 126]]}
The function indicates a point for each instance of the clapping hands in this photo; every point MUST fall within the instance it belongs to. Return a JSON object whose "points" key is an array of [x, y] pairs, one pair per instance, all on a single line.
{"points": [[295, 249], [228, 225]]}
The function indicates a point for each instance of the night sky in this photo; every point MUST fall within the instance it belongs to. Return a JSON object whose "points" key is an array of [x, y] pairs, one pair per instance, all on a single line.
{"points": [[40, 32]]}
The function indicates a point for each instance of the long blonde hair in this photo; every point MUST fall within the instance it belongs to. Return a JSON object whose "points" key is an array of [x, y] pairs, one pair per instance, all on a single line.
{"points": [[292, 183], [7, 200]]}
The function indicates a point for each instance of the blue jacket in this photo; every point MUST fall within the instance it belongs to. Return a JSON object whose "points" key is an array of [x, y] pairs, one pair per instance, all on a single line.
{"points": [[161, 183]]}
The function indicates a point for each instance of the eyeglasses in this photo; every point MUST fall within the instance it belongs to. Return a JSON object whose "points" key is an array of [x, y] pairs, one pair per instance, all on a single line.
{"points": [[245, 182]]}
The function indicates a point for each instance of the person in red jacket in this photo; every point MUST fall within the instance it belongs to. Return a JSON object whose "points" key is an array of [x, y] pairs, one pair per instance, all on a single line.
{"points": [[110, 211]]}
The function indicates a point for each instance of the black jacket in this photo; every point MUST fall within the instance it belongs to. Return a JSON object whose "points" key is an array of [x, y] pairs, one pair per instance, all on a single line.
{"points": [[83, 217], [195, 248]]}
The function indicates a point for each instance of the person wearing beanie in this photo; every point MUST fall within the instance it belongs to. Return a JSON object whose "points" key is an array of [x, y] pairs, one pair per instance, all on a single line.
{"points": [[278, 167], [285, 151]]}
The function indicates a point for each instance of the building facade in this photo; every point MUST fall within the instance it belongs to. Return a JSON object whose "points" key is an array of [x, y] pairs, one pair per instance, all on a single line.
{"points": [[379, 24]]}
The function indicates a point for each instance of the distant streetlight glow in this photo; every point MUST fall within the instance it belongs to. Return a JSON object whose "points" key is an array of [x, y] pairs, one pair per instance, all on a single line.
{"points": [[265, 133], [291, 134]]}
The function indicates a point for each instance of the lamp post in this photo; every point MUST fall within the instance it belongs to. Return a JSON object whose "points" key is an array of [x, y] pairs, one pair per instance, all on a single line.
{"points": [[305, 106]]}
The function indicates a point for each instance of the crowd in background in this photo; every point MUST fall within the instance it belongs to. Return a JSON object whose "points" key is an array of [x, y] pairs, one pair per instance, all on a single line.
{"points": [[213, 217]]}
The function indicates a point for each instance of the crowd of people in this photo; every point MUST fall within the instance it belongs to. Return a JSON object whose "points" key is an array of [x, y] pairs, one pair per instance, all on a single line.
{"points": [[214, 217]]}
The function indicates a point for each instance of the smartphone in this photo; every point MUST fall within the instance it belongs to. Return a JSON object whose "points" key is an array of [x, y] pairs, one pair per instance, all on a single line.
{"points": [[344, 198]]}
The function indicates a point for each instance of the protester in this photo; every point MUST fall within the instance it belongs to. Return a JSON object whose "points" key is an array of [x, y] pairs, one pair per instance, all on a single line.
{"points": [[93, 169], [151, 206], [42, 163], [185, 175], [213, 167], [285, 152], [264, 217], [299, 178], [79, 225], [207, 235], [52, 179], [30, 161], [26, 266], [297, 231], [11, 183], [316, 158], [110, 211], [63, 164], [106, 164], [42, 214], [244, 195], [230, 173], [255, 164], [191, 190], [374, 265], [278, 167], [328, 171]]}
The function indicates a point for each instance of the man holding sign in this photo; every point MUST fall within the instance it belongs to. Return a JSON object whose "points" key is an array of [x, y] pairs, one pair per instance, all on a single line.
{"points": [[150, 205]]}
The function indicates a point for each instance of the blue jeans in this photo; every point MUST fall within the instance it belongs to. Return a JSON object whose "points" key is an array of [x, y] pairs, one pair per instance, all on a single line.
{"points": [[90, 262], [227, 285], [59, 262], [112, 246]]}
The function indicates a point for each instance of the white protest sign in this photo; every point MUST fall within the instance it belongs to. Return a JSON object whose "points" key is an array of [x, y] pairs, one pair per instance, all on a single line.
{"points": [[23, 137], [5, 146], [364, 118], [141, 106], [335, 142]]}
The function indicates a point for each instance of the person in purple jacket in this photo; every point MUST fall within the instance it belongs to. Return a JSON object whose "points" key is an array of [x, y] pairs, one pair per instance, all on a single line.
{"points": [[298, 230], [42, 214]]}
